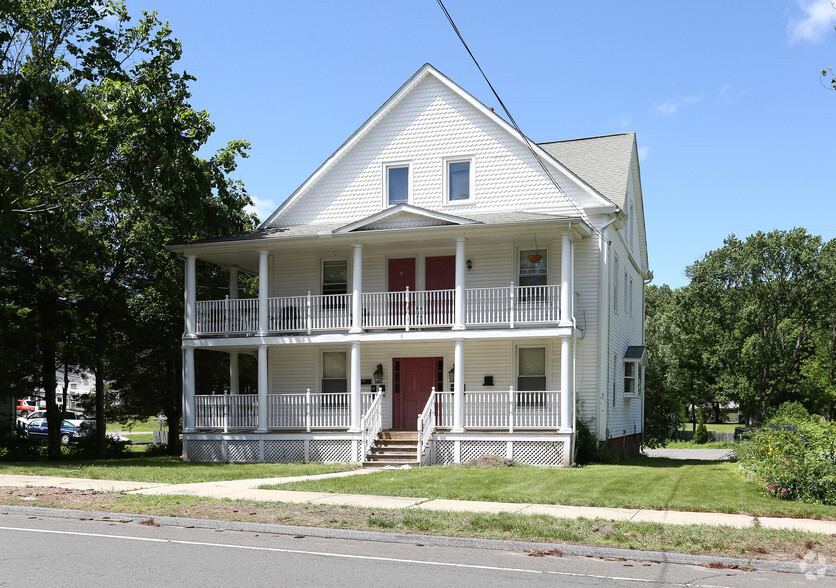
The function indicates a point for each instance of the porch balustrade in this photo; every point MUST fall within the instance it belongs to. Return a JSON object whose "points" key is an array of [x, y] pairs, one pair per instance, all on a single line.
{"points": [[506, 410], [303, 411], [505, 306]]}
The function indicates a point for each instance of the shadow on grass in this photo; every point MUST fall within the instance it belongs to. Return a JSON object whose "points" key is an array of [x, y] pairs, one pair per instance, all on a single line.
{"points": [[667, 462]]}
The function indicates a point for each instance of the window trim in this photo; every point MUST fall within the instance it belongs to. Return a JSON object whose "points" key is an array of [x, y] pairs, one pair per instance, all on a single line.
{"points": [[546, 363], [321, 372], [517, 264], [637, 384], [471, 179], [392, 165], [322, 262]]}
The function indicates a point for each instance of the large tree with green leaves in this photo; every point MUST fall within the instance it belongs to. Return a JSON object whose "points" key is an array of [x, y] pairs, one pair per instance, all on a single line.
{"points": [[99, 147]]}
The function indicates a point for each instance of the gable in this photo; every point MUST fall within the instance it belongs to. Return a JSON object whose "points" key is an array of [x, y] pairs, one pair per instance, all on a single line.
{"points": [[428, 120], [403, 216]]}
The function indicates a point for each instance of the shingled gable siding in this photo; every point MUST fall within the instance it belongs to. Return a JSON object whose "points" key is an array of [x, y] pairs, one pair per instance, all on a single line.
{"points": [[430, 123]]}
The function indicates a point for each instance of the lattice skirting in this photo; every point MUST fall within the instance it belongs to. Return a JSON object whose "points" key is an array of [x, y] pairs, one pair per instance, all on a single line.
{"points": [[532, 452], [271, 450]]}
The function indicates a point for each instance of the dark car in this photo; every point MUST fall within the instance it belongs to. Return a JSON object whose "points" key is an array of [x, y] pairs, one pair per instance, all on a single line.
{"points": [[70, 430]]}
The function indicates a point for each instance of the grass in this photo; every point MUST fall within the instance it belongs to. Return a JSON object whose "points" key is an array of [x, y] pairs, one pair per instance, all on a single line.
{"points": [[756, 543], [165, 470], [635, 483], [148, 425], [709, 445], [718, 427]]}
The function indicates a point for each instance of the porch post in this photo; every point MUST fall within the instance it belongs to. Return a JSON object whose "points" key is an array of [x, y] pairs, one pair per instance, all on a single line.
{"points": [[233, 355], [567, 286], [458, 308], [262, 390], [357, 290], [188, 390], [565, 382], [263, 290], [356, 407], [233, 282], [458, 388], [190, 297]]}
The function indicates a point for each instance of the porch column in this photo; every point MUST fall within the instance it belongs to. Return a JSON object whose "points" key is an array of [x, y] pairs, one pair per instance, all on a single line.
{"points": [[458, 388], [188, 390], [263, 290], [567, 286], [357, 290], [565, 382], [458, 308], [356, 407], [262, 389], [190, 297]]}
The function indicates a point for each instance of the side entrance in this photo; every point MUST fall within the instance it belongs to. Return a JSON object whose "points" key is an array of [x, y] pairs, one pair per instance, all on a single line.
{"points": [[413, 380]]}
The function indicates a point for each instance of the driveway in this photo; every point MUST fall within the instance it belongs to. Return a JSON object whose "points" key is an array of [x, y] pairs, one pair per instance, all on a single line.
{"points": [[703, 454]]}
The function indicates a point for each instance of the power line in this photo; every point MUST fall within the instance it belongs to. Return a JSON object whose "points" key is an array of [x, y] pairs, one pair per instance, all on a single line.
{"points": [[525, 139]]}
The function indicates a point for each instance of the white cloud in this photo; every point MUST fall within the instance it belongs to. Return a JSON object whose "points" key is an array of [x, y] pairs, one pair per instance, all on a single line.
{"points": [[819, 19], [644, 153], [671, 106], [262, 207]]}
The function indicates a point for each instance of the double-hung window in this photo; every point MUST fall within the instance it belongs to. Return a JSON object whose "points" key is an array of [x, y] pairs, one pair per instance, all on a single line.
{"points": [[397, 183], [458, 182], [334, 282], [334, 378], [635, 360]]}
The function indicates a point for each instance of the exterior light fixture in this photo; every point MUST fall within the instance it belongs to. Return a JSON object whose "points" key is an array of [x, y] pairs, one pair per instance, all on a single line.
{"points": [[469, 265], [378, 374]]}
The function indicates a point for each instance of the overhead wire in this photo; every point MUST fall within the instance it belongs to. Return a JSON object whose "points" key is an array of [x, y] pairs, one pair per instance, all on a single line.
{"points": [[513, 122]]}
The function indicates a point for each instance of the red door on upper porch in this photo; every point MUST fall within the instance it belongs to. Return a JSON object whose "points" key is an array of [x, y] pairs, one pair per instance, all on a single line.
{"points": [[413, 379]]}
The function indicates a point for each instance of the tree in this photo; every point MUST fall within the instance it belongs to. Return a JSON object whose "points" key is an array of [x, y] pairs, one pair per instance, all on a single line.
{"points": [[100, 171]]}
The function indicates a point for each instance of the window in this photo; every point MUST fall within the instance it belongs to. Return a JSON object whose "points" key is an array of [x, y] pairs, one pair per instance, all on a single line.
{"points": [[531, 369], [629, 378], [334, 378], [458, 180], [615, 287], [630, 310], [335, 276], [533, 264], [634, 361], [397, 184], [626, 301]]}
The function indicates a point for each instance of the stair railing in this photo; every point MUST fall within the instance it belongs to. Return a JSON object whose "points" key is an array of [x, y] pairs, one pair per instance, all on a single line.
{"points": [[370, 426], [426, 426]]}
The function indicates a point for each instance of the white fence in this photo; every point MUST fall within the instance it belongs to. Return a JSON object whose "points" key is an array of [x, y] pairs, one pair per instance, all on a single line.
{"points": [[284, 411], [231, 315]]}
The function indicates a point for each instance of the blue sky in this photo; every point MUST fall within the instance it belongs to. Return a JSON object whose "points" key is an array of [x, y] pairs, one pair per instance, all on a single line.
{"points": [[734, 128]]}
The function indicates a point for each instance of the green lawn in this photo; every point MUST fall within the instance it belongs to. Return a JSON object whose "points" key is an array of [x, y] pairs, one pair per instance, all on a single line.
{"points": [[168, 470], [720, 428], [636, 483]]}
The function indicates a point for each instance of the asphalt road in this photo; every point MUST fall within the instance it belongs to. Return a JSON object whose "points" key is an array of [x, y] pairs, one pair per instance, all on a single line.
{"points": [[94, 553]]}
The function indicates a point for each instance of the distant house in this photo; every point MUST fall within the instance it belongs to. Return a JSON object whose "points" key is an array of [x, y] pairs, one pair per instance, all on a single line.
{"points": [[430, 295]]}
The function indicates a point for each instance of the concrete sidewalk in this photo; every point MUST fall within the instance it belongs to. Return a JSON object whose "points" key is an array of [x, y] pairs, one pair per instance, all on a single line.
{"points": [[250, 490]]}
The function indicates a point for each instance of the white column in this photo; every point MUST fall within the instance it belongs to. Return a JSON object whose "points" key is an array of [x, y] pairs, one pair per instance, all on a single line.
{"points": [[357, 290], [263, 290], [565, 383], [188, 390], [458, 388], [354, 376], [233, 373], [567, 286], [458, 312], [263, 386], [190, 297]]}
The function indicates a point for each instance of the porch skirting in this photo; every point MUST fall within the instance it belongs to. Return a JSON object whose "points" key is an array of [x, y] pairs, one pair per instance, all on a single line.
{"points": [[542, 449]]}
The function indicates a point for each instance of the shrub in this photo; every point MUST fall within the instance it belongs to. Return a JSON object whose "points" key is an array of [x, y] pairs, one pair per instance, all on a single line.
{"points": [[590, 449], [86, 447], [701, 434], [793, 457], [16, 448]]}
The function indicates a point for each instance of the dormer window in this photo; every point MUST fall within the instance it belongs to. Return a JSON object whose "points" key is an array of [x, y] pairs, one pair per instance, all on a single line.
{"points": [[397, 183], [458, 182]]}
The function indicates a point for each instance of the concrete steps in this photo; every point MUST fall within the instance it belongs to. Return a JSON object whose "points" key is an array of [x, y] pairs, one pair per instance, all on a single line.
{"points": [[393, 448]]}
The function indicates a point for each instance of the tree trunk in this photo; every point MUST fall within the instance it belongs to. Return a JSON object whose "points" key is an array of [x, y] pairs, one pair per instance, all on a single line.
{"points": [[101, 423]]}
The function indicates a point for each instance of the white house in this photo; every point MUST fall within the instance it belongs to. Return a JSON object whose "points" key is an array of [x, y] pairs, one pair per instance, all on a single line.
{"points": [[439, 289]]}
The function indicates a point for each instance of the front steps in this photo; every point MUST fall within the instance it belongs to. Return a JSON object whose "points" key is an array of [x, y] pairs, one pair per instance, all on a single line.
{"points": [[393, 448]]}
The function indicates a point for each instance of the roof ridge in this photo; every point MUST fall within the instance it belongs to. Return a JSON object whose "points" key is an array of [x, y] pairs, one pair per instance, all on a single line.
{"points": [[588, 138]]}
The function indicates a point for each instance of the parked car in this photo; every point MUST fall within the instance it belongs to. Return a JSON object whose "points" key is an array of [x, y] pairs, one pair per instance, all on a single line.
{"points": [[24, 407], [71, 430], [71, 415]]}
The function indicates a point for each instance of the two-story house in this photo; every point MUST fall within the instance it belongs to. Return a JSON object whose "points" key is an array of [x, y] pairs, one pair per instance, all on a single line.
{"points": [[440, 288]]}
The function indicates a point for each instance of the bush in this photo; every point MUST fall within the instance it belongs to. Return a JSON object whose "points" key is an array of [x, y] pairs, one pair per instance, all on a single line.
{"points": [[590, 449], [793, 457], [85, 448], [16, 448], [701, 434]]}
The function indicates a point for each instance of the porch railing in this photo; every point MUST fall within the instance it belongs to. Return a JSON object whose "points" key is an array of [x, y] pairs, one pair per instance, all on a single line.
{"points": [[505, 306], [371, 425], [509, 410], [308, 410], [426, 425]]}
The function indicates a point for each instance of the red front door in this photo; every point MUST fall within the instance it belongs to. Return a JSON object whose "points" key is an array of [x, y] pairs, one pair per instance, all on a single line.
{"points": [[441, 275], [401, 277], [414, 378]]}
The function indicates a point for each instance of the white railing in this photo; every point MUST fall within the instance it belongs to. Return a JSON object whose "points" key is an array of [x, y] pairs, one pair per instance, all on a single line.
{"points": [[387, 309], [310, 313], [371, 425], [511, 305], [230, 315], [284, 411], [426, 425], [502, 410]]}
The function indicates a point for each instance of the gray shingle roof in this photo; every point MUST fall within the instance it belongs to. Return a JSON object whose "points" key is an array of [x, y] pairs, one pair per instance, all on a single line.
{"points": [[602, 162]]}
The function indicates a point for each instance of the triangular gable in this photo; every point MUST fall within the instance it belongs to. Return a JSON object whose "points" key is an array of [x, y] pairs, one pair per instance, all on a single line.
{"points": [[404, 216], [421, 75]]}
